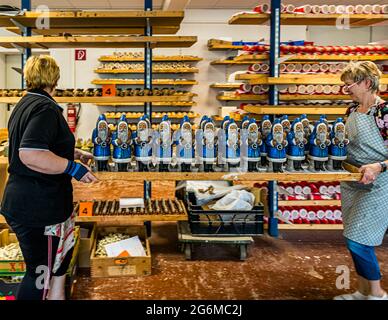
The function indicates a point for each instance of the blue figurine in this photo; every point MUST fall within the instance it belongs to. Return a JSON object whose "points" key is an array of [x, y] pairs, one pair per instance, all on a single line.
{"points": [[209, 146], [245, 122], [204, 119], [339, 142], [319, 145], [225, 123], [142, 140], [296, 146], [266, 127], [122, 144], [164, 144], [185, 145], [254, 144], [286, 124], [308, 129], [101, 138], [232, 144], [276, 143]]}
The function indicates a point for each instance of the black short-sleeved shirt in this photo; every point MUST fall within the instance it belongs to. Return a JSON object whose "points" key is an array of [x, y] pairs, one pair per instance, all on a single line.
{"points": [[32, 198]]}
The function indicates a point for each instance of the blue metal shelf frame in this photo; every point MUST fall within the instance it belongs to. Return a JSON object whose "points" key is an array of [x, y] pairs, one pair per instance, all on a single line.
{"points": [[26, 32], [274, 100]]}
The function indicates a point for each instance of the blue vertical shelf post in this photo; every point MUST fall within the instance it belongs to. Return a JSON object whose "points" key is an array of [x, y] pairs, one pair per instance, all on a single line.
{"points": [[26, 32], [148, 85], [274, 100]]}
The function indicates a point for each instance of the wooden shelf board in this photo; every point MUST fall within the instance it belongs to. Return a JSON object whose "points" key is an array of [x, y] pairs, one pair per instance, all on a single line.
{"points": [[265, 176], [154, 104], [133, 218], [254, 58], [249, 18], [297, 110], [110, 100], [286, 226], [97, 42], [183, 70], [154, 58], [309, 19], [252, 76], [302, 203], [226, 85], [215, 44], [155, 82], [243, 97], [237, 62], [153, 117], [90, 19]]}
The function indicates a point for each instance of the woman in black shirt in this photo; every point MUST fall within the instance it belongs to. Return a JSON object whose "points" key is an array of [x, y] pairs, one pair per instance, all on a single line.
{"points": [[38, 199]]}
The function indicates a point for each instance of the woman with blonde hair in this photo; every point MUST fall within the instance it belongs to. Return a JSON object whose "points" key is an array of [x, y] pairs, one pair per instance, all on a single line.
{"points": [[365, 203], [38, 199]]}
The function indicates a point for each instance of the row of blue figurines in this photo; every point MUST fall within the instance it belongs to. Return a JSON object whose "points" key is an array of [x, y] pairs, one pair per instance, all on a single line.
{"points": [[253, 146]]}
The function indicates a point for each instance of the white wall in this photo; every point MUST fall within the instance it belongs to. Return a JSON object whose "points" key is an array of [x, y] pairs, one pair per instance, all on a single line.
{"points": [[204, 24]]}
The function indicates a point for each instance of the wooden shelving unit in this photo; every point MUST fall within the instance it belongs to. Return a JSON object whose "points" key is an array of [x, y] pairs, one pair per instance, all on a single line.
{"points": [[302, 203], [43, 42], [228, 176], [292, 226], [155, 59], [296, 109], [333, 79], [121, 220], [355, 20], [155, 82], [99, 22], [238, 62], [254, 58], [111, 100], [180, 70], [226, 85]]}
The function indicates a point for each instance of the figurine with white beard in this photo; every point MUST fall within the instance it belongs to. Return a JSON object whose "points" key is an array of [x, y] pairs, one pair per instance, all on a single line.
{"points": [[339, 142], [185, 145], [254, 143], [319, 146], [143, 143], [296, 146], [122, 142], [163, 147], [101, 138], [276, 142], [266, 127], [208, 139]]}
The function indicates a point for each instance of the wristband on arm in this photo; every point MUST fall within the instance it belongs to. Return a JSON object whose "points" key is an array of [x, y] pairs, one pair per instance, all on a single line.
{"points": [[76, 170]]}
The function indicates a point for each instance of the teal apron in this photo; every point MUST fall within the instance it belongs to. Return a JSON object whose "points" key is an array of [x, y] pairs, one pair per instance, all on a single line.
{"points": [[365, 207]]}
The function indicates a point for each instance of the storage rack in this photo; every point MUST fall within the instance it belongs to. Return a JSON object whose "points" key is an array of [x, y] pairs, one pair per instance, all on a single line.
{"points": [[276, 19]]}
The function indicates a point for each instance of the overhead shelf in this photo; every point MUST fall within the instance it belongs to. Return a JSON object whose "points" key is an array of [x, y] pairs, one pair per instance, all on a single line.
{"points": [[260, 78], [242, 97], [172, 70], [215, 44], [355, 20], [154, 104], [99, 22], [294, 226], [43, 42], [111, 100], [254, 58], [296, 109], [154, 58], [285, 97], [229, 176], [172, 82], [125, 219], [226, 85], [239, 62]]}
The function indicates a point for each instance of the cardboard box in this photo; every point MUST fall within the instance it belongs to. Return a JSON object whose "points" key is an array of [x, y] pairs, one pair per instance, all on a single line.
{"points": [[10, 267], [123, 266], [86, 243]]}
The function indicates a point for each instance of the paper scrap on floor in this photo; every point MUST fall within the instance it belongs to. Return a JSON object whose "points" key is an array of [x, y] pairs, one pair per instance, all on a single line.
{"points": [[132, 245]]}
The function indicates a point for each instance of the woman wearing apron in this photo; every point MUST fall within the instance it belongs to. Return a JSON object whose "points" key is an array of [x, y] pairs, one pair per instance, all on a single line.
{"points": [[365, 203], [38, 198]]}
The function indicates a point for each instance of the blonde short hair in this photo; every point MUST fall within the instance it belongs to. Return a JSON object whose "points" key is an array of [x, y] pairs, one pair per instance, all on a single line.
{"points": [[41, 72], [358, 71]]}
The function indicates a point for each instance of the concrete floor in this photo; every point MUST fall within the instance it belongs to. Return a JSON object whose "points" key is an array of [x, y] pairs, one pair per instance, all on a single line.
{"points": [[297, 265]]}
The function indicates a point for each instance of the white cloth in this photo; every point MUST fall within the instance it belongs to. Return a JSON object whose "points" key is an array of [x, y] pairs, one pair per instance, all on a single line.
{"points": [[235, 200]]}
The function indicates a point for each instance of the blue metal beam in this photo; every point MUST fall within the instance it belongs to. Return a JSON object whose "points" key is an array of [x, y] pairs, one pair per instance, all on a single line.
{"points": [[26, 32], [274, 100]]}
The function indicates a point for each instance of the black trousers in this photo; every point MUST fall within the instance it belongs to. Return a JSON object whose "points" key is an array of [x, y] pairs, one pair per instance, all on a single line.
{"points": [[36, 251]]}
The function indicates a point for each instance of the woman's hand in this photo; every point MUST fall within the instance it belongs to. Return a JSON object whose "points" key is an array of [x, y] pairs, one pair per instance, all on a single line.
{"points": [[370, 172], [83, 156]]}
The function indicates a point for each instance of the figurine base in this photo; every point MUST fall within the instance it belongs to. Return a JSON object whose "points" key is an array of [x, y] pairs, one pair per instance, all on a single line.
{"points": [[252, 166], [122, 167], [337, 165], [264, 161], [143, 167], [232, 166], [163, 167], [277, 167], [186, 167], [208, 167], [102, 165], [294, 165], [319, 165]]}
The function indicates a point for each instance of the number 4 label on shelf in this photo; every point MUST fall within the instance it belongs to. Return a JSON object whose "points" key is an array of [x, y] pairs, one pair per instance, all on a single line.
{"points": [[109, 90], [86, 209]]}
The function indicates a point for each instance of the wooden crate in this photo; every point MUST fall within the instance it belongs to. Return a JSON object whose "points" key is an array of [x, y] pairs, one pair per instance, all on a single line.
{"points": [[116, 267], [10, 267], [86, 244]]}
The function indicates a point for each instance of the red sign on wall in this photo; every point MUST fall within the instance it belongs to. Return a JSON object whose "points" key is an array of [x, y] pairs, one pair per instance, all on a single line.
{"points": [[80, 54]]}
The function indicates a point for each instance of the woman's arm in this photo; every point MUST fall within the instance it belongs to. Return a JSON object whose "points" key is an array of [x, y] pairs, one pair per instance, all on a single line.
{"points": [[49, 163], [84, 156]]}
